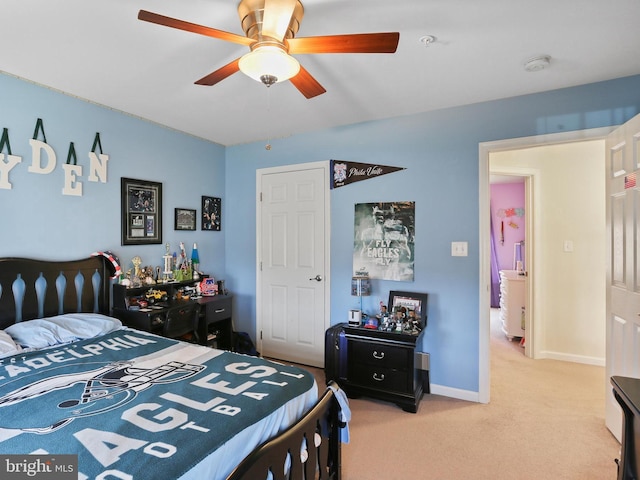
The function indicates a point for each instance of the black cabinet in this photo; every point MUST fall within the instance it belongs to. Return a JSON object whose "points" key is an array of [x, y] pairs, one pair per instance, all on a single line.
{"points": [[215, 322], [384, 365], [626, 391]]}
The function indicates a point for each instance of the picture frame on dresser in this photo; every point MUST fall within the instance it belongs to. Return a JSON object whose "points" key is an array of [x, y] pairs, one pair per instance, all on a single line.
{"points": [[141, 212], [415, 304]]}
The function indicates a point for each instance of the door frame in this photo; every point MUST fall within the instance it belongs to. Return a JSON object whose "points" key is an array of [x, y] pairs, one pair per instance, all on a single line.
{"points": [[484, 151], [326, 165]]}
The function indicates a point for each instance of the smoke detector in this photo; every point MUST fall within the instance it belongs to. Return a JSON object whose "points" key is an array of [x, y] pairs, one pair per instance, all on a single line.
{"points": [[427, 40], [536, 64]]}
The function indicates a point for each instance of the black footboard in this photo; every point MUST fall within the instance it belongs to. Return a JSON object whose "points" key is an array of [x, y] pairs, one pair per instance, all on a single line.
{"points": [[316, 435]]}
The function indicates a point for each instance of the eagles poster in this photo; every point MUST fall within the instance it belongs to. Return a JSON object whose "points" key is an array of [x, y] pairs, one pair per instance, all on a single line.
{"points": [[383, 244]]}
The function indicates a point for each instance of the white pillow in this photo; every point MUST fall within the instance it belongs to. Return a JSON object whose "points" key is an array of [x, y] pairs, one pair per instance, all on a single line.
{"points": [[7, 345], [44, 332]]}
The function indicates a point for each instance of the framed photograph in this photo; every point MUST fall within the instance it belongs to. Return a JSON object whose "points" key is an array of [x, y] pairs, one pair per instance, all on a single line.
{"points": [[185, 219], [141, 203], [412, 306], [211, 213]]}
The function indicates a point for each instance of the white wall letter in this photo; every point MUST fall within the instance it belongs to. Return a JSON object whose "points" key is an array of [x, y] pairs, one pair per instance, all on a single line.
{"points": [[98, 167], [71, 187], [36, 165], [6, 167]]}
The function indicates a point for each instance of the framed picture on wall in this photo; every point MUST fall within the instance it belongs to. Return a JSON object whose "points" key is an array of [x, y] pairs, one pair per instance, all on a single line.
{"points": [[141, 216], [211, 213], [185, 219]]}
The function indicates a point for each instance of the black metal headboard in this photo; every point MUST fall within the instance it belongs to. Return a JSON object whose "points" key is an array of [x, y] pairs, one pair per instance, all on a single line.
{"points": [[42, 288]]}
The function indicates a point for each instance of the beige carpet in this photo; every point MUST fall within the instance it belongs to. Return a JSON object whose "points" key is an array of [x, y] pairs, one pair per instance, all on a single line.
{"points": [[545, 421]]}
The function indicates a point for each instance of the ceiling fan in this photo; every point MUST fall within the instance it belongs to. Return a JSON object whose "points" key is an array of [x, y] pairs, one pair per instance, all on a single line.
{"points": [[270, 27]]}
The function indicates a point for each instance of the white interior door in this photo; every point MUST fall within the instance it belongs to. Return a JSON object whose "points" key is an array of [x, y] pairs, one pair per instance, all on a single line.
{"points": [[293, 245], [623, 265]]}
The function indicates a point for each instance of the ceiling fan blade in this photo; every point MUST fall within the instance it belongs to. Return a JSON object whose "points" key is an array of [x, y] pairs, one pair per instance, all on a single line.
{"points": [[306, 84], [220, 74], [277, 16], [350, 43], [158, 19]]}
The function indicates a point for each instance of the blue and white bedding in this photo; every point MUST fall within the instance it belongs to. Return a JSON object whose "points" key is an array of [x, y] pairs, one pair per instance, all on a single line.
{"points": [[135, 405]]}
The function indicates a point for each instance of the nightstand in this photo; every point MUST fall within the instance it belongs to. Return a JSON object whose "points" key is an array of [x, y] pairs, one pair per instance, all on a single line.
{"points": [[384, 365]]}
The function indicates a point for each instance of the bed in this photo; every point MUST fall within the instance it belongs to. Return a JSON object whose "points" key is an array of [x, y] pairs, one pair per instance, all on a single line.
{"points": [[131, 404]]}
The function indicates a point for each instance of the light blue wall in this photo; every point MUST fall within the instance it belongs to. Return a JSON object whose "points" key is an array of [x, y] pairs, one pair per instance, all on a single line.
{"points": [[440, 153], [439, 150], [37, 220]]}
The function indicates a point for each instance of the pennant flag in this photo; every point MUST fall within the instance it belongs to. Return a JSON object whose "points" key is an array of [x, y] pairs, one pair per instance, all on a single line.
{"points": [[343, 172]]}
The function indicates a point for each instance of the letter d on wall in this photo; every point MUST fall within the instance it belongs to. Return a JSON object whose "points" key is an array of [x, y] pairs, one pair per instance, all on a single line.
{"points": [[37, 146]]}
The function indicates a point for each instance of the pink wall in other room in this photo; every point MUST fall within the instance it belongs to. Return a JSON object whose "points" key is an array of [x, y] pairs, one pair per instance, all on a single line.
{"points": [[507, 208]]}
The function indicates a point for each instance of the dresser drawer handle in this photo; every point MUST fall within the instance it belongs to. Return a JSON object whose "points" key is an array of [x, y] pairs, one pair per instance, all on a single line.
{"points": [[378, 378], [378, 356], [220, 310]]}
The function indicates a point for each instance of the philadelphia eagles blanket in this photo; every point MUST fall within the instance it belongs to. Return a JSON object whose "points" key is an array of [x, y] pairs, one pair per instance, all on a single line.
{"points": [[134, 405]]}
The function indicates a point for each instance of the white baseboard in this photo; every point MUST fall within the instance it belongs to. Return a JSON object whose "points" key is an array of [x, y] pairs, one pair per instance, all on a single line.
{"points": [[471, 396], [566, 357], [455, 393]]}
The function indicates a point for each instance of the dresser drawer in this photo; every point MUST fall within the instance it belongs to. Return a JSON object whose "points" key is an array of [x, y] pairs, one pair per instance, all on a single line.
{"points": [[381, 355], [219, 310], [381, 378]]}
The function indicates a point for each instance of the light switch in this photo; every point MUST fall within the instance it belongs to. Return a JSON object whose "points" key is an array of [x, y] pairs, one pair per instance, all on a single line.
{"points": [[568, 246], [459, 249]]}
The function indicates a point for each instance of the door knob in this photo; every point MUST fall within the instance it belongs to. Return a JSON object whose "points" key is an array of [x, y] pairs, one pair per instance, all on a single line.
{"points": [[317, 278]]}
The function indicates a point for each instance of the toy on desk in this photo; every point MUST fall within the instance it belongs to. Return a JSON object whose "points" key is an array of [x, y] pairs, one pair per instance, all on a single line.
{"points": [[371, 322], [153, 296], [383, 317], [208, 287], [412, 325], [183, 266]]}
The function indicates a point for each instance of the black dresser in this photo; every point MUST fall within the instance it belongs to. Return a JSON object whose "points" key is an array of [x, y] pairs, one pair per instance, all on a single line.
{"points": [[386, 366]]}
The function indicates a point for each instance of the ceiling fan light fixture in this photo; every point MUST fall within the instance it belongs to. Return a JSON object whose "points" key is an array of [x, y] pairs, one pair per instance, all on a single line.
{"points": [[269, 62]]}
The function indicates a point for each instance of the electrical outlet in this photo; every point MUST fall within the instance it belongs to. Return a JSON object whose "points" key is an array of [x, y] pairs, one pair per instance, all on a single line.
{"points": [[459, 249]]}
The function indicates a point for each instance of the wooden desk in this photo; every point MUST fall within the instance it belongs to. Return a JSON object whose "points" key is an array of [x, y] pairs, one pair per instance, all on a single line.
{"points": [[215, 327]]}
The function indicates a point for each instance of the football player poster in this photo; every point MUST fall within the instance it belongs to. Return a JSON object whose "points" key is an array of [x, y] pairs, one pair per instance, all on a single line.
{"points": [[383, 244]]}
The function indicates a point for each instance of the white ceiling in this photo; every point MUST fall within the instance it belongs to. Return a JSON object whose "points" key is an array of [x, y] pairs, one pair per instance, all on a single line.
{"points": [[101, 52]]}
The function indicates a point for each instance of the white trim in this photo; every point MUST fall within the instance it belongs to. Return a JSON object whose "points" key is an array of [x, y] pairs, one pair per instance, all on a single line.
{"points": [[450, 392], [484, 150], [326, 165], [565, 357]]}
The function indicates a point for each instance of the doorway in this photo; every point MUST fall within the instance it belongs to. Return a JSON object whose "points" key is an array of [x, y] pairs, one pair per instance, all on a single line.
{"points": [[512, 245], [536, 262], [292, 272]]}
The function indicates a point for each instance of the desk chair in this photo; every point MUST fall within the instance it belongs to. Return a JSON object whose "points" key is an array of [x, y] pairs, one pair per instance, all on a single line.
{"points": [[182, 319]]}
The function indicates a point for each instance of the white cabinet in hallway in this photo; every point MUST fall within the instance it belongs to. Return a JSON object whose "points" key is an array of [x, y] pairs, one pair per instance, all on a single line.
{"points": [[512, 310]]}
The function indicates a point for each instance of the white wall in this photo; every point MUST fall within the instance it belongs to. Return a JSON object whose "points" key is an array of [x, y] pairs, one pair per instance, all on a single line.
{"points": [[569, 287]]}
